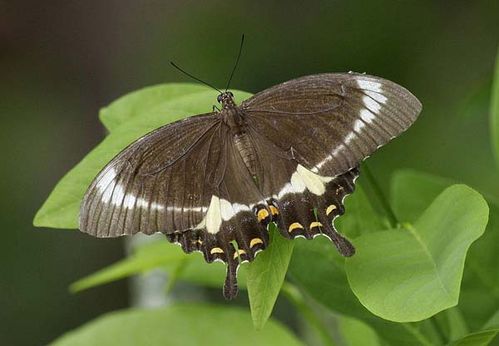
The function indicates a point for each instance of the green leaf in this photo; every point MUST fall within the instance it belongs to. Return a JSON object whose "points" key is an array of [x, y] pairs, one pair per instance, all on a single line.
{"points": [[481, 338], [196, 324], [266, 275], [146, 100], [161, 254], [355, 332], [145, 258], [411, 274], [61, 209], [494, 111], [493, 321], [318, 269], [412, 191]]}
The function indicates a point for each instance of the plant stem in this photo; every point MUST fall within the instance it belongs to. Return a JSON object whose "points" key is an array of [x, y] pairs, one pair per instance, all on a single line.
{"points": [[380, 196], [438, 330], [417, 334], [294, 295]]}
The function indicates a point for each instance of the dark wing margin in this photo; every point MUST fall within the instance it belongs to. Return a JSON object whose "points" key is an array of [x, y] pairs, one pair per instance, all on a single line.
{"points": [[160, 183], [330, 122]]}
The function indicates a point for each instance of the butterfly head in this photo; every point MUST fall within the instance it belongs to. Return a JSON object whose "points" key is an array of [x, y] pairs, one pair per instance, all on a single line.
{"points": [[226, 99]]}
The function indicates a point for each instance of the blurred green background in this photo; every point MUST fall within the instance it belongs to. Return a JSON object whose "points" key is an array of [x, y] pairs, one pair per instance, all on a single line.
{"points": [[60, 61]]}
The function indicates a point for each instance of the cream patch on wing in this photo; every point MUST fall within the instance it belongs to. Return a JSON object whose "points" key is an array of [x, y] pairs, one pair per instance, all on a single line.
{"points": [[218, 211], [303, 179]]}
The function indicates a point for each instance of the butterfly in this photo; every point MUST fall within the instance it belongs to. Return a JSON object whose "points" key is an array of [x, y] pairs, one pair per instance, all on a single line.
{"points": [[214, 182]]}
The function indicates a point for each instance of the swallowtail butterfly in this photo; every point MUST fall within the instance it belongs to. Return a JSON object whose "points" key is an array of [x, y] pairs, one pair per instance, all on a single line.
{"points": [[213, 182]]}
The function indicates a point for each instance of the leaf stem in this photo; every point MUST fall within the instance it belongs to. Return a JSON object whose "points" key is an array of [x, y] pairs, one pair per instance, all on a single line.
{"points": [[296, 297], [438, 330], [417, 334], [380, 196]]}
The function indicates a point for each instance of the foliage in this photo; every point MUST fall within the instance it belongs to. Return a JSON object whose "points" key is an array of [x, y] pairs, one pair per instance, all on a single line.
{"points": [[494, 111], [174, 325], [266, 275], [402, 286]]}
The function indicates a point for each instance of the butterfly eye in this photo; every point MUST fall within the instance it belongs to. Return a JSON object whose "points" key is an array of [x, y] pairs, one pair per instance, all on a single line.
{"points": [[219, 98]]}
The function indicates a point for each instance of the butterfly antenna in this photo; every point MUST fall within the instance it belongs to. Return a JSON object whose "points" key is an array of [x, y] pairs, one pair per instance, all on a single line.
{"points": [[237, 62], [195, 78]]}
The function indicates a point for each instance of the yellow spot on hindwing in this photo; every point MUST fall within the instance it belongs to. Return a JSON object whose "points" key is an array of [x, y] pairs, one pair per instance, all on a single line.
{"points": [[239, 253], [294, 226], [262, 214], [255, 241], [216, 250], [330, 209], [315, 224], [273, 210]]}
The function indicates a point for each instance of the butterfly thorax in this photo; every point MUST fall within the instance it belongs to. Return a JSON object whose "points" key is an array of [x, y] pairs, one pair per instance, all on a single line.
{"points": [[234, 118]]}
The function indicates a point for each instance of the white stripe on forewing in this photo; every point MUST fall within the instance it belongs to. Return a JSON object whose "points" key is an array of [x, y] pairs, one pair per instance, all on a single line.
{"points": [[107, 193], [371, 104], [368, 85], [367, 115], [132, 201], [118, 195], [106, 179], [372, 101], [376, 95]]}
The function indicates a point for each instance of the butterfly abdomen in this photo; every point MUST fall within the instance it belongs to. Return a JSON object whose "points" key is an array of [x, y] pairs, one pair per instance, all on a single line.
{"points": [[247, 152]]}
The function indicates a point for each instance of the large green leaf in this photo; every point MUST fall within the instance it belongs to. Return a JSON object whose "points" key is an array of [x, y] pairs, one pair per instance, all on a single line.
{"points": [[61, 209], [146, 100], [195, 324], [266, 275], [494, 111], [412, 191], [317, 269], [411, 274]]}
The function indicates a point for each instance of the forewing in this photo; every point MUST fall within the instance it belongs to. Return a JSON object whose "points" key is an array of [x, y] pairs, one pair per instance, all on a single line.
{"points": [[330, 122], [160, 183]]}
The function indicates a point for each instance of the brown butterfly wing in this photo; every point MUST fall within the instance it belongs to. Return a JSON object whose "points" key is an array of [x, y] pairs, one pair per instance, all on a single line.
{"points": [[189, 181], [330, 122], [186, 180], [160, 183]]}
